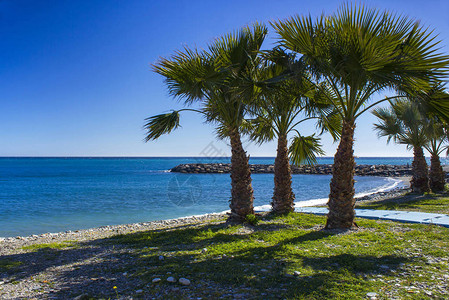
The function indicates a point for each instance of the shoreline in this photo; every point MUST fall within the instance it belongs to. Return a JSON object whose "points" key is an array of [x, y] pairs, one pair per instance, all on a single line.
{"points": [[8, 243]]}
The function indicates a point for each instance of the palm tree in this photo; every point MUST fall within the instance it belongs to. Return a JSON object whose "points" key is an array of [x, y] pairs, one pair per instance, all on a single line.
{"points": [[213, 79], [358, 53], [280, 108], [405, 124], [436, 133]]}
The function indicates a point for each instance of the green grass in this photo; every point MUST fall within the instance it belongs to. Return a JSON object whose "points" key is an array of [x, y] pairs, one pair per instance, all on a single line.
{"points": [[259, 260], [394, 260], [431, 203], [7, 265], [60, 245]]}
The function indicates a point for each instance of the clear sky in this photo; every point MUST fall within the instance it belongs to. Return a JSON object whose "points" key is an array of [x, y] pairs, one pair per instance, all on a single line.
{"points": [[75, 76]]}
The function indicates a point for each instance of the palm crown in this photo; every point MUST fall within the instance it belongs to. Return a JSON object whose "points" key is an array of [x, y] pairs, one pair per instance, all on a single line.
{"points": [[360, 52], [218, 80], [404, 123]]}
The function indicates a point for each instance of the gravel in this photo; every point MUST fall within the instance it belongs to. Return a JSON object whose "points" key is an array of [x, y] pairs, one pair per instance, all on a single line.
{"points": [[89, 267]]}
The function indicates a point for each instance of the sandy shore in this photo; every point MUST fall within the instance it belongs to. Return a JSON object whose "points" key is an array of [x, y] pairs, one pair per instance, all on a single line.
{"points": [[405, 180]]}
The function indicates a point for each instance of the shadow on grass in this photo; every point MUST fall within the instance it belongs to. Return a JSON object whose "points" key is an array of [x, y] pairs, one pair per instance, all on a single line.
{"points": [[238, 262]]}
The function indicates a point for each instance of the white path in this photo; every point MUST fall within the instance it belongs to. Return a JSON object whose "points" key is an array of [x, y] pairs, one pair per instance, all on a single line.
{"points": [[393, 215]]}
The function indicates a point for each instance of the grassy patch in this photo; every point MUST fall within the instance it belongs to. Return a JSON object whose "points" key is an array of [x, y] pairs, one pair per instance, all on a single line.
{"points": [[388, 258], [425, 203], [60, 245], [6, 265]]}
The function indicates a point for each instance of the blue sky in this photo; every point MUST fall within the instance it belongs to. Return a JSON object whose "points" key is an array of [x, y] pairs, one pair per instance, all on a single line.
{"points": [[76, 77]]}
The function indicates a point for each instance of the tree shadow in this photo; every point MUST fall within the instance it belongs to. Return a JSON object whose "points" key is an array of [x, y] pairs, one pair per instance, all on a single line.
{"points": [[84, 267]]}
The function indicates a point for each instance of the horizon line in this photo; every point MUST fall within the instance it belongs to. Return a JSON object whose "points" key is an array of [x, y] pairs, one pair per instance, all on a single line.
{"points": [[113, 156]]}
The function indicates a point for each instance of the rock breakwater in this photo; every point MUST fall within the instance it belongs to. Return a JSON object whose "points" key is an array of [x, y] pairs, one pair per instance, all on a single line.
{"points": [[360, 170]]}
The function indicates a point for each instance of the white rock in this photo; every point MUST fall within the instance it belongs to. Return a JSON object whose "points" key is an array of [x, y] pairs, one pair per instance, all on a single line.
{"points": [[2, 282], [139, 291], [171, 279], [125, 274], [156, 280], [371, 295], [184, 281], [82, 296], [204, 250], [296, 273]]}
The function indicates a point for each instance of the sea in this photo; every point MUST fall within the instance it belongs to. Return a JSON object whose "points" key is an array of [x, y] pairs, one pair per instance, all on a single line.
{"points": [[39, 195]]}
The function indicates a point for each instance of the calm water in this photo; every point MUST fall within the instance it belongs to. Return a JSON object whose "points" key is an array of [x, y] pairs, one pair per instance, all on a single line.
{"points": [[40, 195]]}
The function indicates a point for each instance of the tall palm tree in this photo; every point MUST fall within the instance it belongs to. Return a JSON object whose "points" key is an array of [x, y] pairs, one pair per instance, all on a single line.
{"points": [[405, 124], [281, 107], [358, 53], [212, 79]]}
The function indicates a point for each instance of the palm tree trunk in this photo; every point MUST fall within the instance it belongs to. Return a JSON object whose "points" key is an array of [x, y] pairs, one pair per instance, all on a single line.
{"points": [[283, 196], [437, 175], [241, 191], [420, 178], [341, 198]]}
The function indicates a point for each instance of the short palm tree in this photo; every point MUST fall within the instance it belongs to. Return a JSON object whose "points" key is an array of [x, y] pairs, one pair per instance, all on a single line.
{"points": [[358, 53], [436, 132], [212, 79], [280, 108], [437, 136], [405, 124]]}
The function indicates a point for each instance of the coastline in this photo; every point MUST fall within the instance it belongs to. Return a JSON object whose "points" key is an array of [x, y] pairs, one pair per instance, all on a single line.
{"points": [[9, 243]]}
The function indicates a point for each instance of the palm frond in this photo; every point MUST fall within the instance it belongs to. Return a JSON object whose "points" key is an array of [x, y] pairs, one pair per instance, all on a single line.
{"points": [[260, 130], [161, 124], [304, 149], [188, 74], [330, 121], [402, 122], [433, 102], [389, 125]]}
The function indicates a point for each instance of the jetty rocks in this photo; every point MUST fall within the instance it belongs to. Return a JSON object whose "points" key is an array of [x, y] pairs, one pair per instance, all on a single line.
{"points": [[360, 170]]}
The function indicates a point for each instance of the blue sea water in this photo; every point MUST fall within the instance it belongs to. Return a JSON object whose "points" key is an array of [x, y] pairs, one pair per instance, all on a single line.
{"points": [[39, 195]]}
